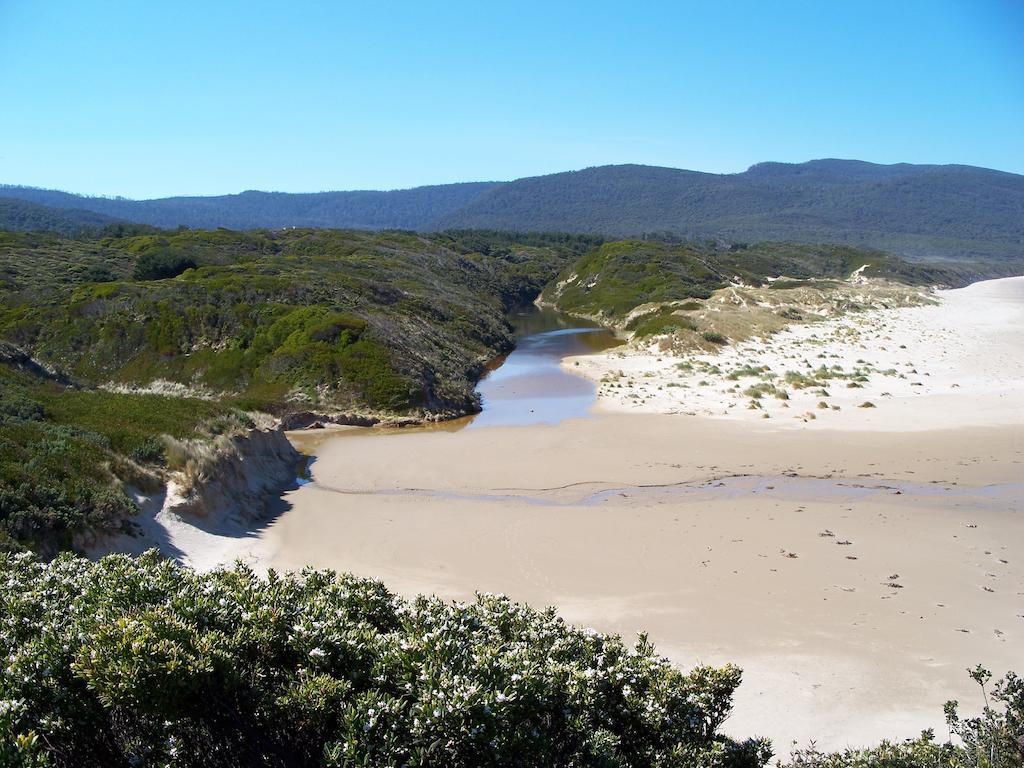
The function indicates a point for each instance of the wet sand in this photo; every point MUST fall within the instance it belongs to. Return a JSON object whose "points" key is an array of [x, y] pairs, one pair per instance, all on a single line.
{"points": [[684, 528]]}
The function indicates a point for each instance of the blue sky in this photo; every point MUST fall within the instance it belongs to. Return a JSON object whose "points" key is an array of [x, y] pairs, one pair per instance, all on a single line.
{"points": [[150, 98]]}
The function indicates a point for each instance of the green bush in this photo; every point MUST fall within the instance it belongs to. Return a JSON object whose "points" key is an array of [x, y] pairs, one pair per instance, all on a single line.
{"points": [[149, 451], [158, 265], [141, 662], [16, 405]]}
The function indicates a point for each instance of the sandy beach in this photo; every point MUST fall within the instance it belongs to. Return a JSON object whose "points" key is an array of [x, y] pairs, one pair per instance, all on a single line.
{"points": [[725, 541], [854, 564]]}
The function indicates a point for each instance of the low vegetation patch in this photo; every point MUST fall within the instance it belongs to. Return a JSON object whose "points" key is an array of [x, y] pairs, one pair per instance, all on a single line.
{"points": [[661, 322]]}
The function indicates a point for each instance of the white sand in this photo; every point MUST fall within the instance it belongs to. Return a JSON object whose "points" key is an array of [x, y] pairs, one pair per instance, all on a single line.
{"points": [[198, 542], [955, 364]]}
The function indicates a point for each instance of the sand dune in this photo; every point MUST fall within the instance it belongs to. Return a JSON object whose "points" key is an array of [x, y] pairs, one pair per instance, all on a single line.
{"points": [[957, 363]]}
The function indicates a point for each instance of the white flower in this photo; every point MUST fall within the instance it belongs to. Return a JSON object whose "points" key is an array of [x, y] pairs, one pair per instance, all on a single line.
{"points": [[318, 653]]}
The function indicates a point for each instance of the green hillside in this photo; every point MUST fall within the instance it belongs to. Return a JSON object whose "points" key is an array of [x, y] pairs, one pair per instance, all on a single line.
{"points": [[957, 212], [331, 319]]}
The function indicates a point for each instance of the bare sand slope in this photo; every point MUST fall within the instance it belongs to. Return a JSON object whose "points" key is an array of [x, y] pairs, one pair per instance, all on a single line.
{"points": [[854, 608]]}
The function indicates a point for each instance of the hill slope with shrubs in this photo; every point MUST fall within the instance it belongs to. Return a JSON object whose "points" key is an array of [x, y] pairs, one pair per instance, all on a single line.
{"points": [[110, 345], [389, 321], [613, 278]]}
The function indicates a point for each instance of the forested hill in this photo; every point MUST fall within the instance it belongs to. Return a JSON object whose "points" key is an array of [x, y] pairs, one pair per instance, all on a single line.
{"points": [[22, 216], [918, 211], [413, 209], [913, 210]]}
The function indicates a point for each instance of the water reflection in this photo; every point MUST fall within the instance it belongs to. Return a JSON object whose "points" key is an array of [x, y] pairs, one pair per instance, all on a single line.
{"points": [[531, 387]]}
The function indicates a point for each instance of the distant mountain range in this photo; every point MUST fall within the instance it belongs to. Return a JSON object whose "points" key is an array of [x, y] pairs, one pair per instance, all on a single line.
{"points": [[917, 211], [22, 216]]}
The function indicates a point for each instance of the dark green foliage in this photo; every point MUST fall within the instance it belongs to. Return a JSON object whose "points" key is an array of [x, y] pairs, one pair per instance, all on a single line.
{"points": [[141, 662], [158, 266], [388, 321]]}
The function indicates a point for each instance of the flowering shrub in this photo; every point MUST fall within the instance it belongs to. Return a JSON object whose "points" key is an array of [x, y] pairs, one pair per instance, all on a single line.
{"points": [[140, 662]]}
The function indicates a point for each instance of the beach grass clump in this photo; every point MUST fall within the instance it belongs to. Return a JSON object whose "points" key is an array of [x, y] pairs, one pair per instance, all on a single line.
{"points": [[139, 661], [750, 371], [714, 337], [798, 380], [758, 391]]}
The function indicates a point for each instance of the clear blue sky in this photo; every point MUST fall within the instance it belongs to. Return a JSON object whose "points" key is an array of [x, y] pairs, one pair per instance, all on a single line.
{"points": [[150, 98]]}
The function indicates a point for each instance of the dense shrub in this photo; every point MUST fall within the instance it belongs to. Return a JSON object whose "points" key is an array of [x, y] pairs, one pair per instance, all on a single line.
{"points": [[141, 662], [15, 405], [158, 265]]}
